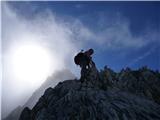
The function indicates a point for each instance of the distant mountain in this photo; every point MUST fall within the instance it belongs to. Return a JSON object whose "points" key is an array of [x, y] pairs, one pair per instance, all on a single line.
{"points": [[127, 95], [50, 82], [15, 114]]}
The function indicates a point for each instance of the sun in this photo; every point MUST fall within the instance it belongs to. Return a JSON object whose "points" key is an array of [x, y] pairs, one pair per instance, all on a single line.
{"points": [[31, 64]]}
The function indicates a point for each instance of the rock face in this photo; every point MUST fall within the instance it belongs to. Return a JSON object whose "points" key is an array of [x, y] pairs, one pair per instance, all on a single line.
{"points": [[127, 95], [51, 81], [143, 82]]}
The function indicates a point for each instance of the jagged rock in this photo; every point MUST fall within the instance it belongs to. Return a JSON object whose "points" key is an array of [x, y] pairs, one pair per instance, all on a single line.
{"points": [[26, 114], [67, 101], [51, 81], [143, 82], [93, 78], [132, 95], [108, 78]]}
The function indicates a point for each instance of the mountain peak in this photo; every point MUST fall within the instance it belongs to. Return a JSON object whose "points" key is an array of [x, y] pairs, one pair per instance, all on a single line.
{"points": [[131, 94]]}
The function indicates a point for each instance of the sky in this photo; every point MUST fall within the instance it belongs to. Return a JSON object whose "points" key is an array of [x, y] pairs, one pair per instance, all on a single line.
{"points": [[122, 34]]}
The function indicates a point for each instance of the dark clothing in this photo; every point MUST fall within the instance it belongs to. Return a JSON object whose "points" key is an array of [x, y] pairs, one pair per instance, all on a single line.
{"points": [[82, 59], [85, 62]]}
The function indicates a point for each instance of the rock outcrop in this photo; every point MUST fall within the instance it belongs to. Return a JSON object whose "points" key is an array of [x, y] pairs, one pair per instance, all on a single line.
{"points": [[127, 95], [143, 82], [50, 82]]}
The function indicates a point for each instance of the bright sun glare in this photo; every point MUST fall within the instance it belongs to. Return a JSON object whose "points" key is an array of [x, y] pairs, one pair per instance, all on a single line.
{"points": [[31, 64]]}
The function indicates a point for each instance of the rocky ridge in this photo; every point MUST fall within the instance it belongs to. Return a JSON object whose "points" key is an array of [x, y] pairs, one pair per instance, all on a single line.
{"points": [[127, 95]]}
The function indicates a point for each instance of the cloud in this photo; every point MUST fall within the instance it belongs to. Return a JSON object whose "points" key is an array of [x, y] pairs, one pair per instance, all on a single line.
{"points": [[43, 29], [63, 38], [79, 6], [113, 32], [149, 52]]}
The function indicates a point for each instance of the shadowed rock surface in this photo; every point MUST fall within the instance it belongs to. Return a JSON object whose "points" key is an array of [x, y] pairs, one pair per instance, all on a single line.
{"points": [[50, 82], [127, 95]]}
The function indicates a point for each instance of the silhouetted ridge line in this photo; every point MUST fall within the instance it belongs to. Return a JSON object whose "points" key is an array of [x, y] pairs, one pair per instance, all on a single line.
{"points": [[128, 94]]}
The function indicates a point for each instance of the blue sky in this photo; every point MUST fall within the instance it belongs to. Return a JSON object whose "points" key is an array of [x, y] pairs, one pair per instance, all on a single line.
{"points": [[123, 34], [141, 20]]}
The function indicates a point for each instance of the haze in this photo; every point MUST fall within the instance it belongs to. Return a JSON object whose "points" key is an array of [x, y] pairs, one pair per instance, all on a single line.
{"points": [[39, 38]]}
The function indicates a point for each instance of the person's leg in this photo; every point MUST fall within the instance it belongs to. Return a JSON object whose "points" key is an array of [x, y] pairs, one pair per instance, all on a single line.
{"points": [[84, 68], [83, 74]]}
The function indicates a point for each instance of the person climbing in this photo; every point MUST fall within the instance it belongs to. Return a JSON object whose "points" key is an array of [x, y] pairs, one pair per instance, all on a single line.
{"points": [[84, 60], [88, 53]]}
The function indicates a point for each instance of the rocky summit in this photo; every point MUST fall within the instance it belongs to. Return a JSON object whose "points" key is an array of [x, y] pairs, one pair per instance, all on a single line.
{"points": [[126, 95]]}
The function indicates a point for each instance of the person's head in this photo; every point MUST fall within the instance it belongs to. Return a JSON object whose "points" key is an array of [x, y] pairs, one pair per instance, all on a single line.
{"points": [[91, 51]]}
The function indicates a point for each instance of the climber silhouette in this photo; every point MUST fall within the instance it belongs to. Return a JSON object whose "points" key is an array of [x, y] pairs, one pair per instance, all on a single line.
{"points": [[84, 60]]}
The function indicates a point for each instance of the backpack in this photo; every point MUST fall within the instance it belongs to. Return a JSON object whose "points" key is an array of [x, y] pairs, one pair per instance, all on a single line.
{"points": [[81, 57]]}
